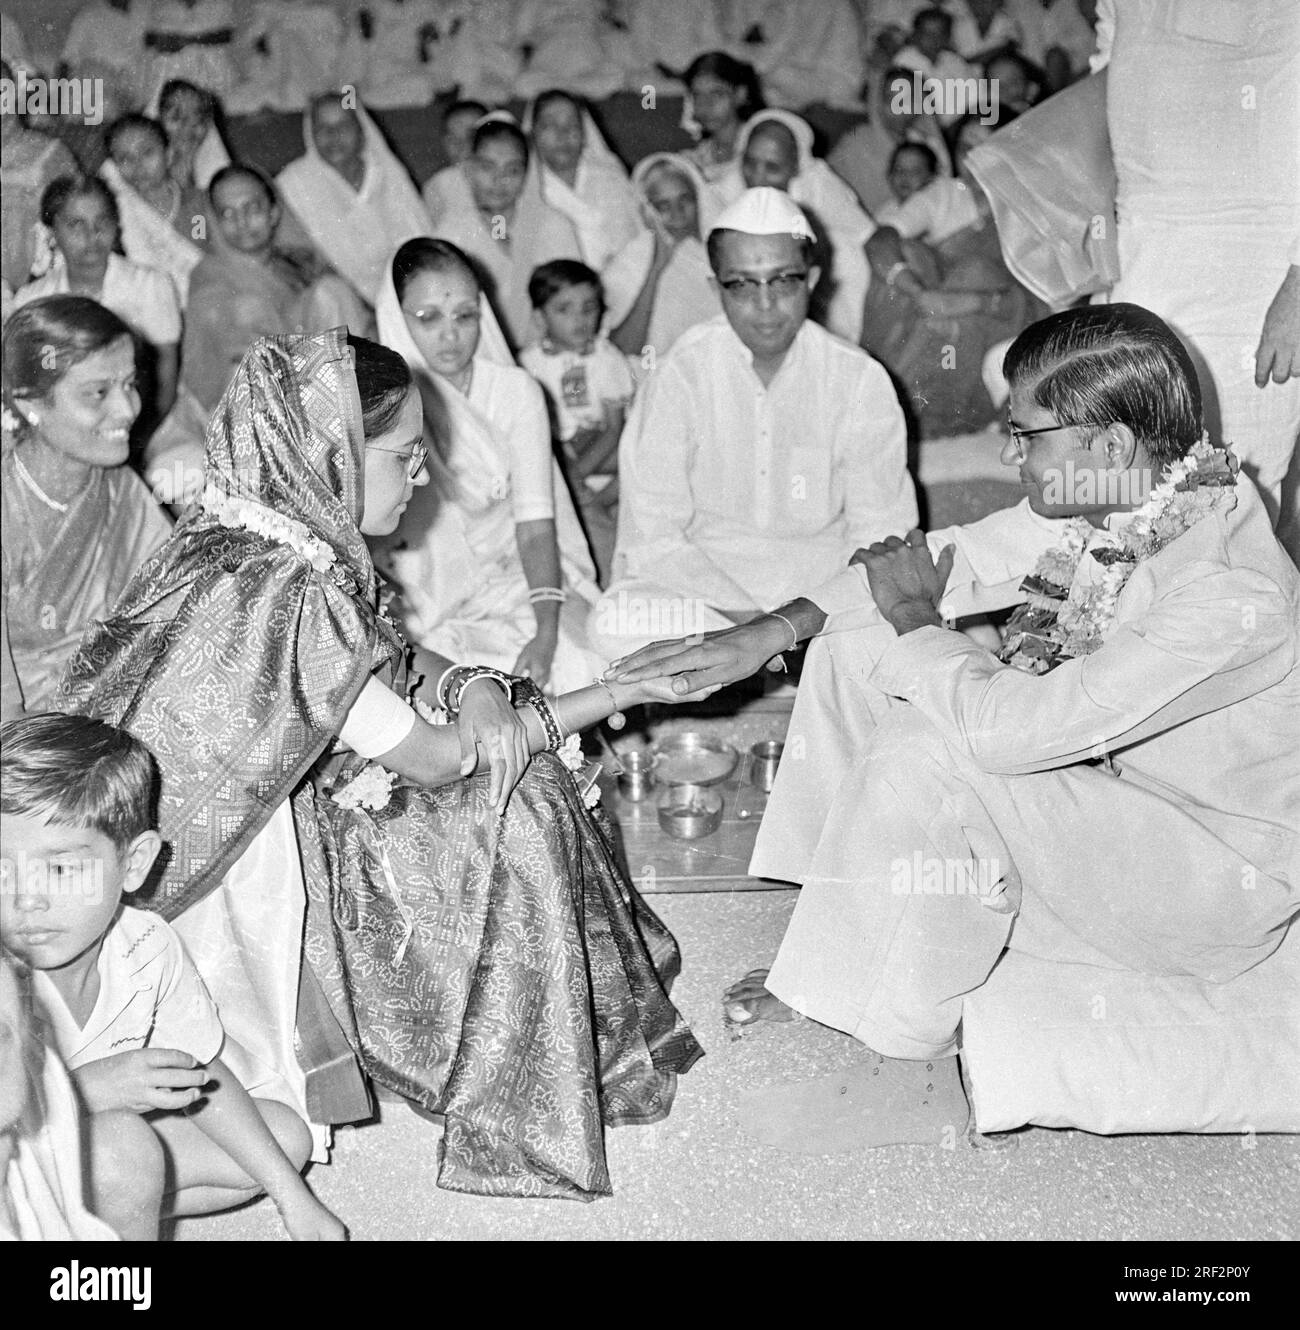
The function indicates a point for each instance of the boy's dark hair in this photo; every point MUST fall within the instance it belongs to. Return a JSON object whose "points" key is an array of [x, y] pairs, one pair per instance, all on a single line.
{"points": [[1104, 364], [77, 772], [549, 279], [133, 120]]}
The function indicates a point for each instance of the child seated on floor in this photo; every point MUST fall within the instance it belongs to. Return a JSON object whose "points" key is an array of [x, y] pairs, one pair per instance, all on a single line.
{"points": [[40, 1145], [589, 385], [126, 1009]]}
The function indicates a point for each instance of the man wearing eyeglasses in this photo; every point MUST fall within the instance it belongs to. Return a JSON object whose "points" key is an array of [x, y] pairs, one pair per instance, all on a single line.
{"points": [[1126, 806], [760, 449]]}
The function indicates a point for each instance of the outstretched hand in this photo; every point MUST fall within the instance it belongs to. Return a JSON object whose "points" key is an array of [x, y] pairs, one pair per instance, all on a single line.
{"points": [[906, 583], [704, 662]]}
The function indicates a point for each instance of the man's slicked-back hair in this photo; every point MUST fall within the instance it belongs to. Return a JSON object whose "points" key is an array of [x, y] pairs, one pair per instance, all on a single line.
{"points": [[1106, 364], [77, 772]]}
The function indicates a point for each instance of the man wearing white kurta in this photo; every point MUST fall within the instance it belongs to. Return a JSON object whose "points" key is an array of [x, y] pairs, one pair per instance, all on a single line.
{"points": [[1135, 808], [760, 450]]}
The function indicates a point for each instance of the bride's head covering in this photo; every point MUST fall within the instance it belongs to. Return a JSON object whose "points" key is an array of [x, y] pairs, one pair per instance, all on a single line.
{"points": [[270, 627]]}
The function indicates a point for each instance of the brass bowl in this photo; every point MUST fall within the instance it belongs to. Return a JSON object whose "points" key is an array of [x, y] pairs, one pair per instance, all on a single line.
{"points": [[693, 759]]}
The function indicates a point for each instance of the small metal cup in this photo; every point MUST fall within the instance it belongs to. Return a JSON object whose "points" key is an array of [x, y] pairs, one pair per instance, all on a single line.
{"points": [[687, 812], [637, 778], [764, 758]]}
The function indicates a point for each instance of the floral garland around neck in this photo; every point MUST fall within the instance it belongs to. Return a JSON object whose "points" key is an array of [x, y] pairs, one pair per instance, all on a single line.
{"points": [[1061, 619], [233, 511]]}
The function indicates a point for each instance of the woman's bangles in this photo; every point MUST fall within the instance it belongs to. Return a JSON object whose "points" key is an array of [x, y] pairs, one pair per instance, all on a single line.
{"points": [[540, 594], [519, 693]]}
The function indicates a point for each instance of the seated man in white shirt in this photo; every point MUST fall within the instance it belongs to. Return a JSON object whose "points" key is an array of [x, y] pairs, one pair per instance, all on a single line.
{"points": [[1098, 792], [929, 52], [761, 449]]}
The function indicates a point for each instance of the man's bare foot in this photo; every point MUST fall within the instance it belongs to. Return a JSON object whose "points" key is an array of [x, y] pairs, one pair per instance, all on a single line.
{"points": [[747, 1001]]}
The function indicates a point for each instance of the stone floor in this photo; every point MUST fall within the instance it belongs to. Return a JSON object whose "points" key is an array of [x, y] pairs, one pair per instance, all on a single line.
{"points": [[695, 1176]]}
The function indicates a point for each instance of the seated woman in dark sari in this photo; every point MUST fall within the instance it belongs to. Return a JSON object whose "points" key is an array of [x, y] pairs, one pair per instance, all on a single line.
{"points": [[343, 882], [77, 521], [941, 295]]}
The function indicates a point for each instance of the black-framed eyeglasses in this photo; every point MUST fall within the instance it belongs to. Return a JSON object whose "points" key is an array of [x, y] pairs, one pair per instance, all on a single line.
{"points": [[415, 458], [748, 288], [1017, 433]]}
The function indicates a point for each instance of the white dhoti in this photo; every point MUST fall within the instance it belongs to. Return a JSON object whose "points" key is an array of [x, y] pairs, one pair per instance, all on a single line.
{"points": [[919, 867]]}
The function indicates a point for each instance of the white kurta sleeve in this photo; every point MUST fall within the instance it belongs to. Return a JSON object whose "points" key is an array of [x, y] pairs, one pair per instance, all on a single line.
{"points": [[990, 560], [377, 721], [655, 457], [871, 457], [1190, 653], [532, 496]]}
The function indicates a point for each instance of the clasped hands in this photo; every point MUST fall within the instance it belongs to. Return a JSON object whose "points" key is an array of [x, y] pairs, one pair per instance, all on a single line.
{"points": [[906, 582]]}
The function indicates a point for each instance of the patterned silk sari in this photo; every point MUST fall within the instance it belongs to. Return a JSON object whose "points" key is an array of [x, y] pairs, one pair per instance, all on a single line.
{"points": [[64, 571], [501, 972]]}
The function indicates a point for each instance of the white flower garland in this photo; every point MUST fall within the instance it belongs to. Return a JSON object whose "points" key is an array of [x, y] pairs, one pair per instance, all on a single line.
{"points": [[233, 511], [1065, 616]]}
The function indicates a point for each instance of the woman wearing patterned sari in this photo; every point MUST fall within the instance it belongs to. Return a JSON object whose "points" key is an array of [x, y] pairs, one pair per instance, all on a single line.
{"points": [[492, 966], [77, 520]]}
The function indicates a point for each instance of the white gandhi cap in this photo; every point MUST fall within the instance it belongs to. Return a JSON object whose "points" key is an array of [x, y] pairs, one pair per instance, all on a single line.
{"points": [[765, 212]]}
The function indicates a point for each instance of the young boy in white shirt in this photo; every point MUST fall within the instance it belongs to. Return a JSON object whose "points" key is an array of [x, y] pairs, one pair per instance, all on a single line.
{"points": [[588, 384], [124, 1005]]}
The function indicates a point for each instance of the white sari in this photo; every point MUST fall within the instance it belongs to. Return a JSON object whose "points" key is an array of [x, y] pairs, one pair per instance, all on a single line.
{"points": [[148, 237], [830, 201], [460, 571], [685, 296], [600, 203], [357, 231]]}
